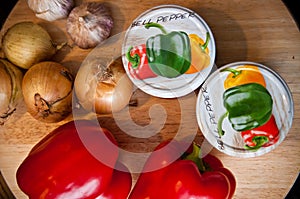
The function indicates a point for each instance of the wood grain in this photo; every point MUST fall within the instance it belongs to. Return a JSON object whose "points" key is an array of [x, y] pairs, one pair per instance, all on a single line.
{"points": [[259, 31]]}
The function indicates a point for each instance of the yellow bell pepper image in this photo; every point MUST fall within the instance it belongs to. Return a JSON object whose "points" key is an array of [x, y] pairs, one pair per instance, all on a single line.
{"points": [[243, 75], [199, 52]]}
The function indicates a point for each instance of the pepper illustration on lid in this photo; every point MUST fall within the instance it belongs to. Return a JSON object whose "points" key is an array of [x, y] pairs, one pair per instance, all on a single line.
{"points": [[249, 107], [244, 109], [168, 51], [169, 54]]}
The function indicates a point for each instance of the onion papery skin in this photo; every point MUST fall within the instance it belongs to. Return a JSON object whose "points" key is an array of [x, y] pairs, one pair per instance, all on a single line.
{"points": [[26, 43], [51, 10], [47, 90], [10, 89], [103, 89]]}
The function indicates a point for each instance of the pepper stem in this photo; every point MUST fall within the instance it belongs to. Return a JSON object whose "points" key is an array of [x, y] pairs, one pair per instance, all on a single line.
{"points": [[204, 46], [195, 157], [233, 71], [259, 142], [156, 25], [220, 122], [134, 60]]}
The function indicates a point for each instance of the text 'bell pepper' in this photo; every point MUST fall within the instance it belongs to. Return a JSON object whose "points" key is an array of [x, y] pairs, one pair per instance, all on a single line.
{"points": [[243, 75], [66, 164], [138, 65], [199, 53], [248, 106], [262, 136], [169, 54], [187, 177]]}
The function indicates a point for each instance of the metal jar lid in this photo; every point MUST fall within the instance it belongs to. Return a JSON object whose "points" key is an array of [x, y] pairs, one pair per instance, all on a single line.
{"points": [[172, 18], [210, 110]]}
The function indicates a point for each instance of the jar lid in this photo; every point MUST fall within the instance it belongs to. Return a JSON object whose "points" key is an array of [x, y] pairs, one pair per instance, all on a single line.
{"points": [[165, 52], [244, 109]]}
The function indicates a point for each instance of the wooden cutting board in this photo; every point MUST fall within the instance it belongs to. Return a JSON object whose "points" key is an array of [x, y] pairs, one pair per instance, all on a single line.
{"points": [[259, 31]]}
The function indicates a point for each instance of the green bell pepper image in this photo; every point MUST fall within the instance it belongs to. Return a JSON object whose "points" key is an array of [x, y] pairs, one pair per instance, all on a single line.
{"points": [[169, 54], [248, 106]]}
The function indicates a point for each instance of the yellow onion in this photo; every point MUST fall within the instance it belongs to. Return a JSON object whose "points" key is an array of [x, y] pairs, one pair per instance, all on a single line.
{"points": [[103, 88], [47, 91], [26, 43], [10, 89]]}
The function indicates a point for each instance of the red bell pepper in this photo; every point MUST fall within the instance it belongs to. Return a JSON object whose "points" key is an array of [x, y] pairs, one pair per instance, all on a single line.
{"points": [[120, 184], [76, 160], [187, 177], [262, 136], [138, 65]]}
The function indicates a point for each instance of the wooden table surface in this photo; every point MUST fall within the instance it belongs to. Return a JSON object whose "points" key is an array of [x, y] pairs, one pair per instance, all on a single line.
{"points": [[259, 31]]}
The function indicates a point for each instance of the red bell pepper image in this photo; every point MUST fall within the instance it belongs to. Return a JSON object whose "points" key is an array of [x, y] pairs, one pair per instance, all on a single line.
{"points": [[138, 65], [262, 136], [69, 164], [188, 177]]}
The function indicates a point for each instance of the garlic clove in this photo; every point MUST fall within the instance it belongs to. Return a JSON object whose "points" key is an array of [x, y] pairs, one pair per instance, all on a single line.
{"points": [[89, 24], [51, 10]]}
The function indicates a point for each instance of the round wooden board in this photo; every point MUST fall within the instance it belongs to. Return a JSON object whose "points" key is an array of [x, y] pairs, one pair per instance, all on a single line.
{"points": [[259, 31]]}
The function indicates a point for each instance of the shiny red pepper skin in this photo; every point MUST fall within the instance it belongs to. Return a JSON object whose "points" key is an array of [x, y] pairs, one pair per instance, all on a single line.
{"points": [[61, 166], [138, 65], [262, 136], [215, 164], [120, 184], [182, 178]]}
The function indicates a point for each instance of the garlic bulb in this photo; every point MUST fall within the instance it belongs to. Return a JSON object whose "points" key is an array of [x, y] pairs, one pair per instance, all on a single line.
{"points": [[89, 24], [51, 10], [10, 89]]}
